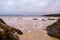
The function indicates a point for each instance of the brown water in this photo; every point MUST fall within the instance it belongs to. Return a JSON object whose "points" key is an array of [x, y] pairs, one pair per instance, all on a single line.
{"points": [[32, 29]]}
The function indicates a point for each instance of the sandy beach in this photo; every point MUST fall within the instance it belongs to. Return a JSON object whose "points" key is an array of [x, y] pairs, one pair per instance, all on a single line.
{"points": [[32, 29]]}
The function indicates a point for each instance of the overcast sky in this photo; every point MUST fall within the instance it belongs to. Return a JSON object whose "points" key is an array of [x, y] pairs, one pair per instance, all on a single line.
{"points": [[29, 7]]}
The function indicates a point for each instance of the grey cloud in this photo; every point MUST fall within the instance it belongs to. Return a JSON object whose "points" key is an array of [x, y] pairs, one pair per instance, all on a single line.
{"points": [[39, 6]]}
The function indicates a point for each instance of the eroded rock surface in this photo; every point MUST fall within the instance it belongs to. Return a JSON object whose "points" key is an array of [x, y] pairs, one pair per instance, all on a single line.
{"points": [[7, 32], [54, 29]]}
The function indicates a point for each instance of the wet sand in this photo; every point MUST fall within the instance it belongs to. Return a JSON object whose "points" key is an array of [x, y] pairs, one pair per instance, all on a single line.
{"points": [[32, 29]]}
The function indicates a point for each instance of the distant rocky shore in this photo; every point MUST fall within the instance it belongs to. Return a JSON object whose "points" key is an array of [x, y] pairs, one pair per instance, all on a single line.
{"points": [[53, 15]]}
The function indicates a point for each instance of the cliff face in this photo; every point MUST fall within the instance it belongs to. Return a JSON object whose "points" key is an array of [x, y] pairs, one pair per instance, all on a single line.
{"points": [[54, 29]]}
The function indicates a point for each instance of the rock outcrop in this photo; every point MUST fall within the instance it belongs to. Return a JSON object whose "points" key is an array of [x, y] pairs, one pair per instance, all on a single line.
{"points": [[54, 29], [7, 32]]}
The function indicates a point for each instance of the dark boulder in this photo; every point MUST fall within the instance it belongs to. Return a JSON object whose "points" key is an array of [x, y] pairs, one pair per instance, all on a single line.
{"points": [[54, 29], [7, 32]]}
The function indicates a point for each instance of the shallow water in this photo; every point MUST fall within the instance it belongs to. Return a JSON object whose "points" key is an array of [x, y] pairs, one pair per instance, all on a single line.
{"points": [[32, 29]]}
